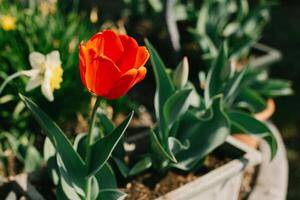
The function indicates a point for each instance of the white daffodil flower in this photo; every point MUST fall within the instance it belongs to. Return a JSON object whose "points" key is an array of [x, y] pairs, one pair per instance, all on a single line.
{"points": [[46, 72]]}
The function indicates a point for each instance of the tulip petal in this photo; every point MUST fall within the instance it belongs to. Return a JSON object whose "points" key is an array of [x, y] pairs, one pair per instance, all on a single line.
{"points": [[140, 75], [128, 58], [90, 68], [106, 43], [142, 57], [106, 74], [123, 84], [82, 63]]}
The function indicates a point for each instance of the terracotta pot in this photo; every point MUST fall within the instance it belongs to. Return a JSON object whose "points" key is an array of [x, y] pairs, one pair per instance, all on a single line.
{"points": [[247, 139], [266, 113], [261, 116]]}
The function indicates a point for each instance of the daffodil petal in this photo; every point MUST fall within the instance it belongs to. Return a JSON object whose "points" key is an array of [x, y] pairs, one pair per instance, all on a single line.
{"points": [[53, 59], [34, 82], [37, 60], [46, 87]]}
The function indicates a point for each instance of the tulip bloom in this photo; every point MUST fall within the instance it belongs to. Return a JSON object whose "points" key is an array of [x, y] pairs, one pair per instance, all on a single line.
{"points": [[111, 64]]}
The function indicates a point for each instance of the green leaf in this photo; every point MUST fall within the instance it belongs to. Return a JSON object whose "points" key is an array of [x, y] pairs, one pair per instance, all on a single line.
{"points": [[250, 99], [231, 88], [18, 110], [158, 148], [203, 135], [33, 159], [122, 167], [177, 146], [66, 190], [60, 194], [176, 105], [80, 144], [245, 123], [72, 162], [48, 150], [105, 122], [106, 177], [49, 154], [95, 189], [164, 86], [103, 147], [141, 166], [274, 88], [6, 98], [218, 72], [111, 194], [53, 170], [108, 128], [79, 188]]}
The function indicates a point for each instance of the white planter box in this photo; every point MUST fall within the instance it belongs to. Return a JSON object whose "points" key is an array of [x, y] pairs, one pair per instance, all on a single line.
{"points": [[222, 183]]}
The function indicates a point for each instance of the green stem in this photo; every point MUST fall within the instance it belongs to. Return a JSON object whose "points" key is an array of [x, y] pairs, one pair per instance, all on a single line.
{"points": [[13, 76], [89, 144]]}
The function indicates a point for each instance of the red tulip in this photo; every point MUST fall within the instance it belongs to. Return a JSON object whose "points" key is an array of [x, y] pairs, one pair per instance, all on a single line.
{"points": [[111, 64]]}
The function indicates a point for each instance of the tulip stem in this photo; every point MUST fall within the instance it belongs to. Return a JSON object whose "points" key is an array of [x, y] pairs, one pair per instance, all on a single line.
{"points": [[90, 140]]}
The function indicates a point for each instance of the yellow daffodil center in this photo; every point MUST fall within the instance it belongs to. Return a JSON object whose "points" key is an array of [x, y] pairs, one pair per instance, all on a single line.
{"points": [[8, 23], [56, 77]]}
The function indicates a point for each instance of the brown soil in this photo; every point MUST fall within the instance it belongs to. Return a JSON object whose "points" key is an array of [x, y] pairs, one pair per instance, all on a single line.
{"points": [[139, 188], [248, 182]]}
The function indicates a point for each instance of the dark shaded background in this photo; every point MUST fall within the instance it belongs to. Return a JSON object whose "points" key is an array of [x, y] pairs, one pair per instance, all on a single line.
{"points": [[283, 33]]}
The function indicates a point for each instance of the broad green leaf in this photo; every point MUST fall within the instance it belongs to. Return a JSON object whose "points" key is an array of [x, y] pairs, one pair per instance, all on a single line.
{"points": [[251, 100], [175, 106], [48, 150], [53, 170], [60, 194], [68, 180], [72, 162], [111, 194], [164, 86], [80, 144], [67, 191], [158, 148], [106, 177], [203, 136], [49, 154], [108, 128], [245, 123], [176, 146], [105, 122], [103, 147], [141, 166]]}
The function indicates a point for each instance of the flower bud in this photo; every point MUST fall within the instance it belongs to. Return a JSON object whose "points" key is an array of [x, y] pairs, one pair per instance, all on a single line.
{"points": [[181, 73]]}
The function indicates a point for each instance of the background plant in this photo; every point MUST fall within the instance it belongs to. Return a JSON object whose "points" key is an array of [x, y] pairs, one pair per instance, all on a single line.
{"points": [[239, 22]]}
